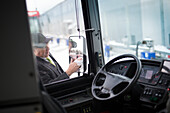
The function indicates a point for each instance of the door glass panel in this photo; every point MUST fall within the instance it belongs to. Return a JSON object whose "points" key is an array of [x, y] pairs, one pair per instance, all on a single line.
{"points": [[57, 20]]}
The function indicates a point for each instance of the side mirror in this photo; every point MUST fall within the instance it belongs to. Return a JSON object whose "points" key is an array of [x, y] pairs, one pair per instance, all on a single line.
{"points": [[77, 48]]}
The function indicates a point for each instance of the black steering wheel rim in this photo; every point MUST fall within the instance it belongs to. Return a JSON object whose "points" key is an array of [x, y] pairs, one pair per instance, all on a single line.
{"points": [[106, 88]]}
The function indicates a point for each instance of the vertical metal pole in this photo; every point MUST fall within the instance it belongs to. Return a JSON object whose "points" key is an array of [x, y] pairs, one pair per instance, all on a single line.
{"points": [[162, 22]]}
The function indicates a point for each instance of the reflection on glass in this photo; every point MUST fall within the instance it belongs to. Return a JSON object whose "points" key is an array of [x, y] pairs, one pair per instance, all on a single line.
{"points": [[76, 51], [166, 67]]}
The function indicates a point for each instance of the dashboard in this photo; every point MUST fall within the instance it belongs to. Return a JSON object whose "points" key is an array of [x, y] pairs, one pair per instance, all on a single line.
{"points": [[154, 79]]}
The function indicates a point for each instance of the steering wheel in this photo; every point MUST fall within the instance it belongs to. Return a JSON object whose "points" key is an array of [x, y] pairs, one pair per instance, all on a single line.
{"points": [[107, 85]]}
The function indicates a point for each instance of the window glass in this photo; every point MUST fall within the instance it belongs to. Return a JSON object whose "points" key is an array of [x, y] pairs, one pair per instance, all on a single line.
{"points": [[139, 27], [57, 20]]}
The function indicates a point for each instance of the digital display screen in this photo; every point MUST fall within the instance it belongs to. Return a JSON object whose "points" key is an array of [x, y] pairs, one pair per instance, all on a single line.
{"points": [[166, 67], [149, 74]]}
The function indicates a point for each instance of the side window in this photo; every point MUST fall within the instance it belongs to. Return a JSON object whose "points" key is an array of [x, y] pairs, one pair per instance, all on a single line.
{"points": [[57, 20]]}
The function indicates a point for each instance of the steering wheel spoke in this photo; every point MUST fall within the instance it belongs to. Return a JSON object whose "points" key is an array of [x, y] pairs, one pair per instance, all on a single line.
{"points": [[112, 81], [112, 94], [121, 77], [103, 72], [97, 87]]}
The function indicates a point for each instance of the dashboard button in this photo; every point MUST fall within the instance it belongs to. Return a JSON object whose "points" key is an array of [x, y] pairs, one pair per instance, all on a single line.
{"points": [[156, 94], [121, 67], [160, 82], [155, 99], [160, 95]]}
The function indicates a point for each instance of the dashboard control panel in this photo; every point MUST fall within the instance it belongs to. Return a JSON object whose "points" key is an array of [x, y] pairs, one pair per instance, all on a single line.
{"points": [[149, 75], [156, 80], [80, 102], [152, 95]]}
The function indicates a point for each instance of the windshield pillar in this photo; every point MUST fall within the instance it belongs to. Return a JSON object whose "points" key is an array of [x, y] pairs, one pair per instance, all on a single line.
{"points": [[93, 35]]}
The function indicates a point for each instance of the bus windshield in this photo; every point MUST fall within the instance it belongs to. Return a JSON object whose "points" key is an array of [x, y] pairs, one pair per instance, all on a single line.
{"points": [[139, 27]]}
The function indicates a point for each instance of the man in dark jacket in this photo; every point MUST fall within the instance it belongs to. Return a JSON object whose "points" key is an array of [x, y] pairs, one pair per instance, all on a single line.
{"points": [[48, 67]]}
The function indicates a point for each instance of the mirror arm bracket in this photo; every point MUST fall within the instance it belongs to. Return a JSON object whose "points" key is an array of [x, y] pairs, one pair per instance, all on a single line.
{"points": [[91, 29]]}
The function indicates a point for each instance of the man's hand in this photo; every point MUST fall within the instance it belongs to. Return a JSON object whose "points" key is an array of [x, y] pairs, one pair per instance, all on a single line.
{"points": [[73, 67], [79, 61]]}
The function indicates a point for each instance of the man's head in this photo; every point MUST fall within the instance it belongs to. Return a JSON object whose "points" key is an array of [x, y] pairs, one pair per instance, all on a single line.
{"points": [[72, 44], [42, 51]]}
